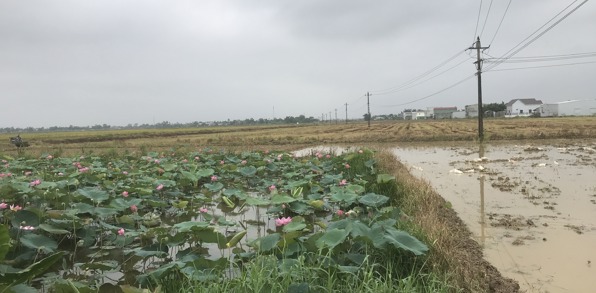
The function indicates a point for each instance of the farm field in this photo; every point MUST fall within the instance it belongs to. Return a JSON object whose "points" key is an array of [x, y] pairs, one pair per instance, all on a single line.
{"points": [[177, 149], [284, 137]]}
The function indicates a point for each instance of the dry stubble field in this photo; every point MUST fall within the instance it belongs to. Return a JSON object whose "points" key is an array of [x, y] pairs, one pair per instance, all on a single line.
{"points": [[290, 137]]}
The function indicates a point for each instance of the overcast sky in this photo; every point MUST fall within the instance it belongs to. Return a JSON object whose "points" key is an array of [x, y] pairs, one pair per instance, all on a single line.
{"points": [[119, 62]]}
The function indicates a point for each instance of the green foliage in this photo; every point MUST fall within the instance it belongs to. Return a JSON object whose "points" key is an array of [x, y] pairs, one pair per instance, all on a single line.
{"points": [[165, 218]]}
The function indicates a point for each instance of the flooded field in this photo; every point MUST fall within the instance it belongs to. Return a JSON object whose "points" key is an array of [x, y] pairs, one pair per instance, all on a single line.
{"points": [[531, 207]]}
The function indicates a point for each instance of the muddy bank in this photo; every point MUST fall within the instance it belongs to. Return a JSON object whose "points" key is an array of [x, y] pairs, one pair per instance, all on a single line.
{"points": [[531, 207]]}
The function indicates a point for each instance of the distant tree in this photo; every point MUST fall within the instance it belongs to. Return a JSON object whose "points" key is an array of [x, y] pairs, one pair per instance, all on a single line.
{"points": [[366, 117], [495, 107]]}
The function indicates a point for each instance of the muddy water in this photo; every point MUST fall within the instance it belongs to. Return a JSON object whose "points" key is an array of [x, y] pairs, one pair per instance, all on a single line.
{"points": [[532, 208]]}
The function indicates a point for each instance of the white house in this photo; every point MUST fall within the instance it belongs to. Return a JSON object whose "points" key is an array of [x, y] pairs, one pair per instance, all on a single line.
{"points": [[458, 114], [472, 111], [569, 108], [522, 107], [412, 114]]}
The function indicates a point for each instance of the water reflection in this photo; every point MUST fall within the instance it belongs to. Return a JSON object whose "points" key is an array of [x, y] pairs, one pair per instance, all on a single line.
{"points": [[482, 240]]}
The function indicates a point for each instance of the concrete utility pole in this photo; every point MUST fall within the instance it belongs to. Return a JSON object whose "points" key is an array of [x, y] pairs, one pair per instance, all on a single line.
{"points": [[346, 113], [368, 106], [336, 116], [479, 74]]}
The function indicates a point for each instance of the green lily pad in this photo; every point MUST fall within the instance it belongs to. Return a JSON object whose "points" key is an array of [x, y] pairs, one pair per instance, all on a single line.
{"points": [[332, 238], [96, 195], [279, 199], [25, 218], [373, 200], [39, 242]]}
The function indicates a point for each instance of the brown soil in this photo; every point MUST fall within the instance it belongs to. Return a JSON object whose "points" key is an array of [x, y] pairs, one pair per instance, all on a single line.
{"points": [[453, 249]]}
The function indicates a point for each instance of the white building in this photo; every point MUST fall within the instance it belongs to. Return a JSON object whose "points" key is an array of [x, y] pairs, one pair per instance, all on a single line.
{"points": [[412, 114], [569, 108], [522, 107], [458, 114], [472, 111]]}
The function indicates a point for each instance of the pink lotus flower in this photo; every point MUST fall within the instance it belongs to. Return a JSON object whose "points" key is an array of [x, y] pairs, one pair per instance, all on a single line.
{"points": [[328, 156], [203, 210], [156, 161], [347, 166], [15, 208], [360, 151], [60, 174], [3, 206], [272, 188], [28, 228], [28, 173], [159, 187], [282, 221], [125, 193], [50, 157], [121, 232], [222, 162], [197, 158], [35, 182], [185, 161], [213, 178], [84, 169], [134, 208], [343, 182], [243, 162], [124, 173]]}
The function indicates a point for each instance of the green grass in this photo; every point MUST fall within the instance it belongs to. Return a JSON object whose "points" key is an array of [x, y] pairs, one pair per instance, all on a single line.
{"points": [[268, 274]]}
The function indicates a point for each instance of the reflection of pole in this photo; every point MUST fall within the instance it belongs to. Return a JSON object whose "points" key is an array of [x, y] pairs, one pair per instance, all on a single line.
{"points": [[482, 215]]}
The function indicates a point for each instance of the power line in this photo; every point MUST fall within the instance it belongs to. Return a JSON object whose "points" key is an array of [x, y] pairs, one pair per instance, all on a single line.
{"points": [[500, 23], [433, 94], [514, 51], [408, 84], [541, 58], [486, 18], [544, 66], [477, 21]]}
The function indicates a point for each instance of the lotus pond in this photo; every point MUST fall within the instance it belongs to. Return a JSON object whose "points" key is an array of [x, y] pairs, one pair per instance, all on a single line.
{"points": [[98, 222]]}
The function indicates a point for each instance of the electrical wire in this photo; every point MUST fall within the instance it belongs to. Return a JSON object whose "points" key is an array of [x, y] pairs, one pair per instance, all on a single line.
{"points": [[541, 58], [433, 94], [408, 84], [544, 66], [486, 18], [500, 23], [477, 21], [522, 46]]}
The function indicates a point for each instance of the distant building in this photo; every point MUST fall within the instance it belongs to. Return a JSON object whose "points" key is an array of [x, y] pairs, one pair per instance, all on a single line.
{"points": [[458, 114], [472, 111], [569, 108], [443, 112], [522, 107], [412, 114]]}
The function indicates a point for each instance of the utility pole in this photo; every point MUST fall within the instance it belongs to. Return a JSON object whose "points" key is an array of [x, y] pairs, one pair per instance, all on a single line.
{"points": [[368, 106], [346, 113], [335, 115], [479, 74]]}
